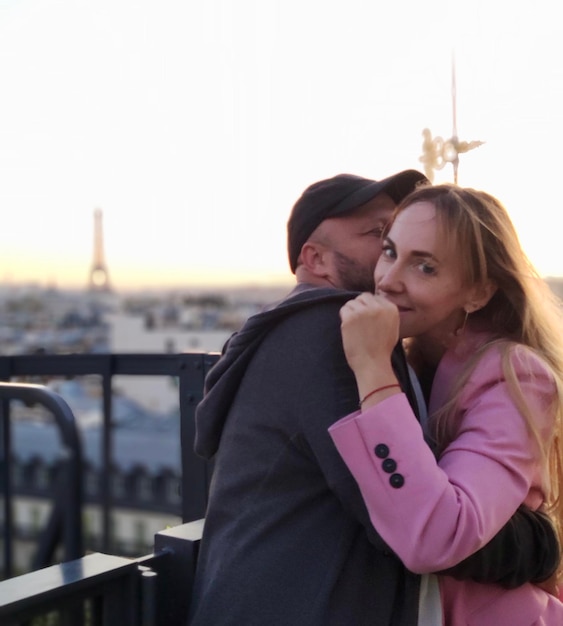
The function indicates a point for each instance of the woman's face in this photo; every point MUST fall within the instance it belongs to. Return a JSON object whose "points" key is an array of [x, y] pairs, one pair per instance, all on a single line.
{"points": [[422, 275]]}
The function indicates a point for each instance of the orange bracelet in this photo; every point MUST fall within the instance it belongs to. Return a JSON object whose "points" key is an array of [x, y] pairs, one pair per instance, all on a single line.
{"points": [[370, 394]]}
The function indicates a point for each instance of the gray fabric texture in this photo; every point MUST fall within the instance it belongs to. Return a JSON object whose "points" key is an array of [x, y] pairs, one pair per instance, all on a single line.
{"points": [[287, 539]]}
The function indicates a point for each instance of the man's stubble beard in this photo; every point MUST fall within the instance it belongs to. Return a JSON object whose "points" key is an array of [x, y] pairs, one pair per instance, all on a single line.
{"points": [[353, 276]]}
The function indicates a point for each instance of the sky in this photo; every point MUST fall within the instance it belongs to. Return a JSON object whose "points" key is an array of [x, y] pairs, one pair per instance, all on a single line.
{"points": [[194, 125]]}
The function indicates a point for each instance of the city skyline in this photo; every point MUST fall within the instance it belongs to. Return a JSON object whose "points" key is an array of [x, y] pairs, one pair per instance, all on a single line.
{"points": [[194, 127]]}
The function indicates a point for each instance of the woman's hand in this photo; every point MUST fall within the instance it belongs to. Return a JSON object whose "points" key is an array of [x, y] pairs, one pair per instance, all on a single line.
{"points": [[370, 331]]}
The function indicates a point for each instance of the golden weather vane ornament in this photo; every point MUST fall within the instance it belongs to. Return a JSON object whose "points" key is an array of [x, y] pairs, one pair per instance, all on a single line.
{"points": [[436, 152]]}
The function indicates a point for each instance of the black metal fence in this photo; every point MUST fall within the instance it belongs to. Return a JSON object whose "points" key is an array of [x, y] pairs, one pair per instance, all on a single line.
{"points": [[105, 590], [188, 368], [65, 522]]}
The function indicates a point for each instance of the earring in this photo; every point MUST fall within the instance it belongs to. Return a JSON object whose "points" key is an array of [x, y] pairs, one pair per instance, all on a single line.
{"points": [[459, 331]]}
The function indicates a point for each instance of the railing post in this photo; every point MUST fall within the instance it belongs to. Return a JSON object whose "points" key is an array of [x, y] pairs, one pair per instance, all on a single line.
{"points": [[107, 453], [195, 471], [149, 580], [174, 560], [6, 446]]}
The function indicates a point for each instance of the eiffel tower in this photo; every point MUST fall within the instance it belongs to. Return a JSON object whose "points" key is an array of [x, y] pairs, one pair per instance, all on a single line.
{"points": [[99, 276]]}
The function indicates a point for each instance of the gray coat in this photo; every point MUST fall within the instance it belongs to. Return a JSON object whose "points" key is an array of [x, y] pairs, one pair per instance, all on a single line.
{"points": [[287, 539]]}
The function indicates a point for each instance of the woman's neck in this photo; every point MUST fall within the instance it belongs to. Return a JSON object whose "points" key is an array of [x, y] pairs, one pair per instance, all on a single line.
{"points": [[426, 353], [423, 365]]}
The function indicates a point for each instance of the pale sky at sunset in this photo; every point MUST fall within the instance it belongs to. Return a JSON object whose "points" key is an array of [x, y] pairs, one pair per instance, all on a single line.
{"points": [[195, 124]]}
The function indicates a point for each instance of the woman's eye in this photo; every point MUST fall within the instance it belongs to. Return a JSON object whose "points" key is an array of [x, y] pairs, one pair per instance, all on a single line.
{"points": [[427, 269]]}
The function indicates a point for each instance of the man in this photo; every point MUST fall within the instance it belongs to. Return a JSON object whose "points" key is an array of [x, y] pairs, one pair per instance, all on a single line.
{"points": [[334, 232], [287, 539]]}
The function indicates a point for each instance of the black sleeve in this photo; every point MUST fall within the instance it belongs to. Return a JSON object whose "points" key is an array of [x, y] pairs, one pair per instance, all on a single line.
{"points": [[526, 549]]}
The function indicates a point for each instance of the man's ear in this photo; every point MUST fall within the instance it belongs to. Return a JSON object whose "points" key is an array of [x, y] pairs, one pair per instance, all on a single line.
{"points": [[481, 296], [313, 258]]}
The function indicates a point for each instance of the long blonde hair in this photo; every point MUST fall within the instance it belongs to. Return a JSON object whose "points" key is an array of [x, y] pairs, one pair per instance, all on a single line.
{"points": [[523, 311]]}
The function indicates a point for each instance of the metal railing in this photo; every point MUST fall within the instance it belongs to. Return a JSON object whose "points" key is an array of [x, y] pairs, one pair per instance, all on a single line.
{"points": [[65, 521], [105, 590], [190, 370]]}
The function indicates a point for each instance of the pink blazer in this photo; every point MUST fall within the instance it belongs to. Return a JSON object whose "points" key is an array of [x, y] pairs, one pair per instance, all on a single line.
{"points": [[433, 515]]}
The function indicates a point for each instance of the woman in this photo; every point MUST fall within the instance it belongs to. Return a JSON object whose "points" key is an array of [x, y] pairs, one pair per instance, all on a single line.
{"points": [[486, 336]]}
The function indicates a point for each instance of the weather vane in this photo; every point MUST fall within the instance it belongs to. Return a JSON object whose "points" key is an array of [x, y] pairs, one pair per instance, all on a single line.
{"points": [[436, 152]]}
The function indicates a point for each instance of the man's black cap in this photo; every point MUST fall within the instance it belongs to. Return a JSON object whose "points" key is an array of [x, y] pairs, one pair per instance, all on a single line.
{"points": [[337, 196]]}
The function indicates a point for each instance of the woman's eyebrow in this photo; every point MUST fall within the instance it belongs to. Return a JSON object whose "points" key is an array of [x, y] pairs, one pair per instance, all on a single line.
{"points": [[414, 253]]}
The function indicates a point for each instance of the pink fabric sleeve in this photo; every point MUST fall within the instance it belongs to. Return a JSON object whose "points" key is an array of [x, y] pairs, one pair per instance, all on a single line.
{"points": [[436, 514]]}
